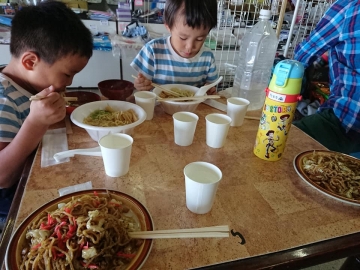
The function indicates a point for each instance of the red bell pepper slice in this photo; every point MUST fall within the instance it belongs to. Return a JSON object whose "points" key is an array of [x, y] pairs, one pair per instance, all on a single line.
{"points": [[36, 246], [91, 266]]}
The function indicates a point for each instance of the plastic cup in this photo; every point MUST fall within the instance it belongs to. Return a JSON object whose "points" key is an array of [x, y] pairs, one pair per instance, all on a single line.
{"points": [[146, 100], [201, 182], [236, 109], [116, 153], [217, 127], [184, 127]]}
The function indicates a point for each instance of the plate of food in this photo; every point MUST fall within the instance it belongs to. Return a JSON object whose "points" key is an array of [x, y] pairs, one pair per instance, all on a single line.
{"points": [[334, 174], [82, 230]]}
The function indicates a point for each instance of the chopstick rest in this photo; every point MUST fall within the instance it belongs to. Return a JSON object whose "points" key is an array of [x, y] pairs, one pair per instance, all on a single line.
{"points": [[206, 232]]}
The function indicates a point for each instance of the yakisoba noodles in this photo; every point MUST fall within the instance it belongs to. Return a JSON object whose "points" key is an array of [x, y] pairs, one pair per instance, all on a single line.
{"points": [[182, 92], [110, 117], [335, 172], [89, 232]]}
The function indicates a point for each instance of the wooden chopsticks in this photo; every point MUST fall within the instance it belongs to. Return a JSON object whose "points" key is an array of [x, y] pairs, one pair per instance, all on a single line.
{"points": [[162, 88], [215, 231], [36, 97], [189, 98], [252, 117]]}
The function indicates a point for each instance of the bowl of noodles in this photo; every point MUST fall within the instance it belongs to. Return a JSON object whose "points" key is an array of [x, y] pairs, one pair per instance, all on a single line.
{"points": [[102, 117], [171, 107], [82, 230]]}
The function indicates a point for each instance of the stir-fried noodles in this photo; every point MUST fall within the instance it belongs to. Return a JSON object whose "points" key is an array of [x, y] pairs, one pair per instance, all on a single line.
{"points": [[182, 92], [334, 172], [110, 117], [90, 232]]}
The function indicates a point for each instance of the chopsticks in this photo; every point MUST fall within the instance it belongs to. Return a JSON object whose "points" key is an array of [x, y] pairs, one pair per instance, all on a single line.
{"points": [[215, 231], [189, 98], [36, 97], [252, 117], [162, 88]]}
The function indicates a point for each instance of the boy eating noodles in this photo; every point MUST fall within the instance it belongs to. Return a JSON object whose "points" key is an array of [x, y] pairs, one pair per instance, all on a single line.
{"points": [[180, 58], [49, 45]]}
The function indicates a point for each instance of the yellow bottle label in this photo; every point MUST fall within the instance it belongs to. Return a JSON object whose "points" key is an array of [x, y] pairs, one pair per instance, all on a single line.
{"points": [[273, 129]]}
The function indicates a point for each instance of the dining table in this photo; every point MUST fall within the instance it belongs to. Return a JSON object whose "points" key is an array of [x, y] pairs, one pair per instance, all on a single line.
{"points": [[276, 219]]}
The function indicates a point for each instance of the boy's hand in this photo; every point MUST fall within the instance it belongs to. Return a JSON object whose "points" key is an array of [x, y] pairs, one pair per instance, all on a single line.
{"points": [[211, 91], [48, 110], [142, 84]]}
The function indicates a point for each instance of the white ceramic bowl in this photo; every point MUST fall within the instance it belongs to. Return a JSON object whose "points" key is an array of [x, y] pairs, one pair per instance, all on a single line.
{"points": [[171, 107], [81, 112]]}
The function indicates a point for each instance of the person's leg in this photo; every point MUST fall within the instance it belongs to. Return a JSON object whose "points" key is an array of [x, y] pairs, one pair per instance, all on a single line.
{"points": [[6, 197], [326, 128]]}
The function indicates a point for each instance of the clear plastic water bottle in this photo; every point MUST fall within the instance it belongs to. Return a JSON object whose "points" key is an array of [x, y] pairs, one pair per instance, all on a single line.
{"points": [[257, 54]]}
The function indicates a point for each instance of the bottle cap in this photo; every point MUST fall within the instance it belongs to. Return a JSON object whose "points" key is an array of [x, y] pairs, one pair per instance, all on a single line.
{"points": [[265, 14], [287, 77]]}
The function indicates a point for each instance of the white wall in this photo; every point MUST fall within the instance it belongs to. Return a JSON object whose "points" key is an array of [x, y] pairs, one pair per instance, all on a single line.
{"points": [[4, 54]]}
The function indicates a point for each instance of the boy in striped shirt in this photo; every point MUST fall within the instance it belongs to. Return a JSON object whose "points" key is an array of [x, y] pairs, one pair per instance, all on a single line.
{"points": [[49, 45], [180, 58]]}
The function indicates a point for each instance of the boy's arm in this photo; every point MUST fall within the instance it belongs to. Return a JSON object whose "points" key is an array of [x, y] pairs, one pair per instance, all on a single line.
{"points": [[43, 113], [14, 154], [143, 63], [212, 75], [324, 37]]}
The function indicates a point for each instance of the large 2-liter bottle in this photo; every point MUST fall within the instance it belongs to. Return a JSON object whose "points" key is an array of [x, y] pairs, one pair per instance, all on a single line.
{"points": [[257, 54]]}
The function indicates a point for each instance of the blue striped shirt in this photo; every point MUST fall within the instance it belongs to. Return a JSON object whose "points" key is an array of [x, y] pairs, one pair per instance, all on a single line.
{"points": [[158, 62], [339, 33], [14, 108]]}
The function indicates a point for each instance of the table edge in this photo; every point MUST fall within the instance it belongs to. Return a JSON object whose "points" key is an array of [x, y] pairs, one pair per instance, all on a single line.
{"points": [[10, 221]]}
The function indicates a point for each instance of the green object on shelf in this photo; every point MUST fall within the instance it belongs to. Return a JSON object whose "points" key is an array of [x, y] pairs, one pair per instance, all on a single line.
{"points": [[210, 43]]}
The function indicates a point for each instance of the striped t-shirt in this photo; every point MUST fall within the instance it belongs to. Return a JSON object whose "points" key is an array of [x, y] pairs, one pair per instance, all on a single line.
{"points": [[14, 108], [158, 62]]}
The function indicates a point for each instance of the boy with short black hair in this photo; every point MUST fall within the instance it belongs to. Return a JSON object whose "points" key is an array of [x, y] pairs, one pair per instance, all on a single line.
{"points": [[49, 45], [180, 58]]}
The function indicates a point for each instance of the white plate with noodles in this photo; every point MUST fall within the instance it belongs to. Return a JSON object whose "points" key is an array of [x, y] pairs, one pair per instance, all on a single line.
{"points": [[82, 230], [100, 118], [171, 107], [334, 174]]}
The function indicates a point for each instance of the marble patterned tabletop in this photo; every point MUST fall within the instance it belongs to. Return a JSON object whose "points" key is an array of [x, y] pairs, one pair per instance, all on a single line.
{"points": [[266, 203]]}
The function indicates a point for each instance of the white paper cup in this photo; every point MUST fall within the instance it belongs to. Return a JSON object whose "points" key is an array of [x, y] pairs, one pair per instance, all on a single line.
{"points": [[217, 127], [201, 182], [184, 127], [236, 109], [146, 100], [116, 153]]}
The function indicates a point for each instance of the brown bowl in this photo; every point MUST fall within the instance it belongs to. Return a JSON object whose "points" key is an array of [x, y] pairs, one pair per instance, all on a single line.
{"points": [[116, 89], [83, 98]]}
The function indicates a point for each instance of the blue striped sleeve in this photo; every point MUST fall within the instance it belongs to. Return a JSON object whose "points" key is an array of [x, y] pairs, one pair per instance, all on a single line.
{"points": [[144, 62]]}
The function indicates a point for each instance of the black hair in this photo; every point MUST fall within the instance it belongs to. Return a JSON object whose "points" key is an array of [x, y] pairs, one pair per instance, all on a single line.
{"points": [[197, 13], [51, 30]]}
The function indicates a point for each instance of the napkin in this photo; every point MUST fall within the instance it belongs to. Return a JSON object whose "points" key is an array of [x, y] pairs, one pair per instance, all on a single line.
{"points": [[71, 189], [54, 141]]}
